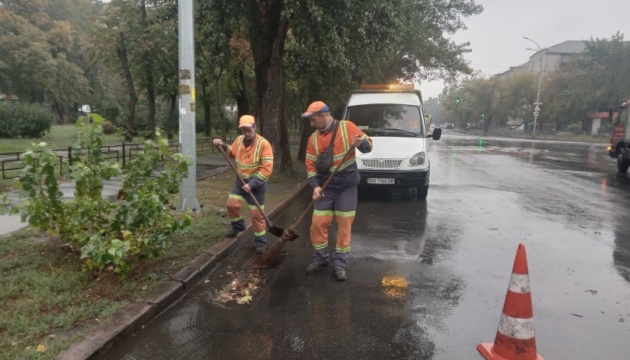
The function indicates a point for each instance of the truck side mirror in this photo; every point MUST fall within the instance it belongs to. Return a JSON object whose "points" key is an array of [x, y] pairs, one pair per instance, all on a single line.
{"points": [[437, 134]]}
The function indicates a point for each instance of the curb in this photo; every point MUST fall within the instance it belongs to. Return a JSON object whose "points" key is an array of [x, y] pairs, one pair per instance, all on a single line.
{"points": [[134, 316]]}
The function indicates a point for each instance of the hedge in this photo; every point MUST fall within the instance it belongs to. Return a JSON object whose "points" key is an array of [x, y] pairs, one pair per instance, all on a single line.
{"points": [[24, 120]]}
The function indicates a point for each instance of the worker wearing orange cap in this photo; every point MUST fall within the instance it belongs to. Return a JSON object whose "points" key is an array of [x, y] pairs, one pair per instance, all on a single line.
{"points": [[340, 198], [254, 162]]}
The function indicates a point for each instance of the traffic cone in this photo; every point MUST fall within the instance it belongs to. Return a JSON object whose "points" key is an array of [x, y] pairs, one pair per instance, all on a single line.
{"points": [[515, 338]]}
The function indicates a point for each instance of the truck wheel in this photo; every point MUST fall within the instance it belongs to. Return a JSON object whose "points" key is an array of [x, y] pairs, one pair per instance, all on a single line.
{"points": [[623, 163], [422, 192]]}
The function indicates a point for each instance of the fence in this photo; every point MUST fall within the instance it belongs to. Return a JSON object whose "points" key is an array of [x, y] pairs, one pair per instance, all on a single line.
{"points": [[11, 166]]}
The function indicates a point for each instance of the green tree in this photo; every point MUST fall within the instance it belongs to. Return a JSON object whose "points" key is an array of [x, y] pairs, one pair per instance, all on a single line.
{"points": [[594, 81], [42, 59]]}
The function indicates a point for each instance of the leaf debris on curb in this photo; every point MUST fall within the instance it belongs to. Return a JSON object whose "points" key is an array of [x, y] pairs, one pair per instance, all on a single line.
{"points": [[241, 289]]}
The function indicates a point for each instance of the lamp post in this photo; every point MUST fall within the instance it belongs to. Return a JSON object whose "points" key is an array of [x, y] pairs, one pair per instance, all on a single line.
{"points": [[540, 74]]}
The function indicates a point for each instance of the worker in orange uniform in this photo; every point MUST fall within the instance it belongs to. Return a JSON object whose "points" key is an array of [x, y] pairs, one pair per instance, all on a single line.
{"points": [[254, 162], [340, 197]]}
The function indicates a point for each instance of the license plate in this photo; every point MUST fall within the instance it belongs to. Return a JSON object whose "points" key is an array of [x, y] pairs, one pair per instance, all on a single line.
{"points": [[389, 181]]}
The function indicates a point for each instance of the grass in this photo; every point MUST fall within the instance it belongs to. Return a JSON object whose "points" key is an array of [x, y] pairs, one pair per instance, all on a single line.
{"points": [[59, 137], [46, 298], [62, 136]]}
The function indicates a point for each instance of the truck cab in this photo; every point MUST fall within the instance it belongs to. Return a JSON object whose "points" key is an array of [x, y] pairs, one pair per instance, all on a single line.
{"points": [[620, 140], [392, 115]]}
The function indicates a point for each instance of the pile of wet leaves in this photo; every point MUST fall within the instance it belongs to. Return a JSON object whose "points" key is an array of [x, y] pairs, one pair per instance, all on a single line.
{"points": [[241, 288]]}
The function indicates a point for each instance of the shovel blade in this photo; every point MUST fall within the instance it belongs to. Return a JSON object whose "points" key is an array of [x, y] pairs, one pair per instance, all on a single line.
{"points": [[276, 231]]}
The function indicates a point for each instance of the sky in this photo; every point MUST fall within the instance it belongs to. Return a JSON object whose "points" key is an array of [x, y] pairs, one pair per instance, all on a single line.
{"points": [[496, 35]]}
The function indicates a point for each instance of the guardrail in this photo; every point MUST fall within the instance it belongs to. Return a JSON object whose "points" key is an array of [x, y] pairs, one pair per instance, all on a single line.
{"points": [[11, 165]]}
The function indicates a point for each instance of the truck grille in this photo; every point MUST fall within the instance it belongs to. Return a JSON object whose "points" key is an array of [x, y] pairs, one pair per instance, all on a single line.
{"points": [[381, 163]]}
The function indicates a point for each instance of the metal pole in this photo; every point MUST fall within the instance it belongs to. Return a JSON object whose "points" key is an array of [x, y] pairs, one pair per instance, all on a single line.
{"points": [[537, 102], [540, 74], [188, 188]]}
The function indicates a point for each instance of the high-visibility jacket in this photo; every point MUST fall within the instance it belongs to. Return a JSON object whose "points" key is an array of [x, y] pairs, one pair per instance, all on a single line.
{"points": [[320, 140], [253, 162]]}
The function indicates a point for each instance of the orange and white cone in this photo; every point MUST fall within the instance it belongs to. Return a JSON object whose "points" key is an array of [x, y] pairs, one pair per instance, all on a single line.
{"points": [[515, 338]]}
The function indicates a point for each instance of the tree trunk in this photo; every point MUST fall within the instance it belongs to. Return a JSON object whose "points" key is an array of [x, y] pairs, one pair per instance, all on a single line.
{"points": [[121, 51], [146, 57], [207, 115], [225, 126], [242, 102], [268, 30], [171, 123], [60, 113], [307, 130]]}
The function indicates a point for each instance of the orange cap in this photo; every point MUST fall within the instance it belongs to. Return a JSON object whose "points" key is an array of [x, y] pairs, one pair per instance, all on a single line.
{"points": [[246, 120], [316, 107]]}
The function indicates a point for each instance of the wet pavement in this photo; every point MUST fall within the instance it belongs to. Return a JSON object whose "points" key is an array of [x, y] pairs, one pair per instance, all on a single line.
{"points": [[427, 280]]}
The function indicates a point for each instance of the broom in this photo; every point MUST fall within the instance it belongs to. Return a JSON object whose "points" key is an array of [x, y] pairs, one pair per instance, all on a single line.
{"points": [[289, 234]]}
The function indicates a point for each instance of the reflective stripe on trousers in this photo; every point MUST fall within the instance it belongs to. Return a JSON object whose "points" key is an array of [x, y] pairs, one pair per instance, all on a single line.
{"points": [[236, 200], [342, 204]]}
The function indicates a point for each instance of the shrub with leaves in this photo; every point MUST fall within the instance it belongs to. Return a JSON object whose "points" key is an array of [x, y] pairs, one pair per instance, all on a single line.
{"points": [[575, 128], [25, 120], [109, 234], [109, 128]]}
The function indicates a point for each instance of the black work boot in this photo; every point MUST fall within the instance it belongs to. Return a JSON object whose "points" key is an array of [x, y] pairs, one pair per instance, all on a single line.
{"points": [[237, 226], [340, 274], [232, 233], [261, 248], [315, 266]]}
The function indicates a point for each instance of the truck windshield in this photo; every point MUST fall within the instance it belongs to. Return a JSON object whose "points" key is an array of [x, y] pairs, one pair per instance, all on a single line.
{"points": [[387, 119]]}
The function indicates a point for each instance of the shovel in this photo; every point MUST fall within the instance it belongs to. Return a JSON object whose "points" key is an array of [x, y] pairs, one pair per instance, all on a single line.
{"points": [[289, 234], [271, 228]]}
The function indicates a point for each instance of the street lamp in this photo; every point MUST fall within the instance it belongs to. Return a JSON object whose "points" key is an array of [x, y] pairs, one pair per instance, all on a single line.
{"points": [[540, 74]]}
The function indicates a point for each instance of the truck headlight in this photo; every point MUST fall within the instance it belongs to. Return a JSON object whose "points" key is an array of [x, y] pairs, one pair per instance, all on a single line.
{"points": [[417, 159]]}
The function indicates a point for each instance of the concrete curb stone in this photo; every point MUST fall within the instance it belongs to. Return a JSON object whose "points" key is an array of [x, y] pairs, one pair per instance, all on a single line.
{"points": [[113, 331], [135, 315], [163, 295]]}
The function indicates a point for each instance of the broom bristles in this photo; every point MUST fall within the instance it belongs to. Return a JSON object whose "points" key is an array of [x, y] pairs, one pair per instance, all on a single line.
{"points": [[274, 251]]}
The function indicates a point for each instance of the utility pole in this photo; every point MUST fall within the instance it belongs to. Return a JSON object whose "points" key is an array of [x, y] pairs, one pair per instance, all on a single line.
{"points": [[540, 75], [185, 27], [461, 117]]}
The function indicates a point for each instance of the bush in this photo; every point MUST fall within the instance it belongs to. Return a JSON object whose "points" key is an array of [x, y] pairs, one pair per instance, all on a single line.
{"points": [[109, 128], [575, 128], [9, 128], [108, 234], [25, 120], [111, 111]]}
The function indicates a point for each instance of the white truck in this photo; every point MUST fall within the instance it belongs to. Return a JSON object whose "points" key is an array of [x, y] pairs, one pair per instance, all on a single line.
{"points": [[393, 117]]}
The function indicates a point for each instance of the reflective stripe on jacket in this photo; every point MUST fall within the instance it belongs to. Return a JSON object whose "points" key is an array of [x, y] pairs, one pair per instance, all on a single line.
{"points": [[255, 160], [319, 141]]}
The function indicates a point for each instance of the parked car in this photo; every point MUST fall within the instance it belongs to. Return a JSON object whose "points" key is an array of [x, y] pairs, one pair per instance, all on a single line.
{"points": [[392, 116]]}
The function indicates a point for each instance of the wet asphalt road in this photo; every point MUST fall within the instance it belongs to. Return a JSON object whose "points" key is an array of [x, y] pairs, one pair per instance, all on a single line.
{"points": [[427, 280]]}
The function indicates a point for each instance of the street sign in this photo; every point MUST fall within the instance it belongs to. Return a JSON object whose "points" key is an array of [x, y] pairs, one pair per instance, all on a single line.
{"points": [[536, 113]]}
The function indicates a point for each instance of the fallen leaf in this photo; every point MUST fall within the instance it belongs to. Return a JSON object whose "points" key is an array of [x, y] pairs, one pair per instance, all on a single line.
{"points": [[41, 348], [244, 300]]}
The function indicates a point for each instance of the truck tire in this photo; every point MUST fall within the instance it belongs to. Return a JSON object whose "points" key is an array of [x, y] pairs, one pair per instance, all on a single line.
{"points": [[422, 192], [623, 163]]}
